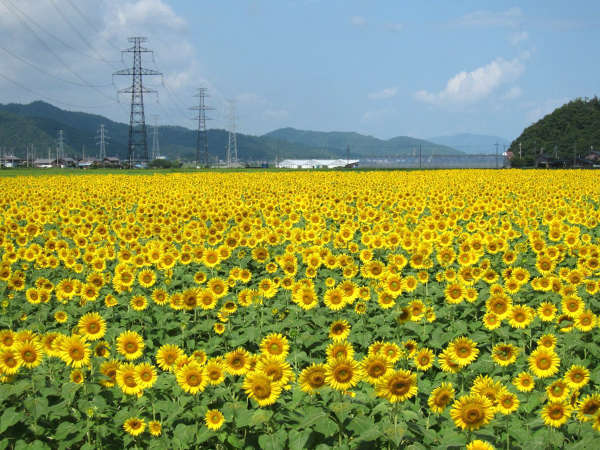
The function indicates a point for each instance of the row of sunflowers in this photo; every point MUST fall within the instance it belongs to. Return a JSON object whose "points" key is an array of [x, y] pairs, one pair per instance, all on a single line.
{"points": [[300, 310]]}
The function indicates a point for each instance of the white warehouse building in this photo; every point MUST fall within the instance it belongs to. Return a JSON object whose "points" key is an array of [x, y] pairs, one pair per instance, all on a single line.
{"points": [[317, 163]]}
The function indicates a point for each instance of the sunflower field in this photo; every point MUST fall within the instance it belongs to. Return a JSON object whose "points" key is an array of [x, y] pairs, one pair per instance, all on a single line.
{"points": [[423, 309]]}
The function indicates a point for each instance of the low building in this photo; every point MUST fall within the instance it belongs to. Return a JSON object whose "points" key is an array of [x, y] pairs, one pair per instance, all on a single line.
{"points": [[111, 161], [10, 161], [88, 163], [317, 163], [44, 163]]}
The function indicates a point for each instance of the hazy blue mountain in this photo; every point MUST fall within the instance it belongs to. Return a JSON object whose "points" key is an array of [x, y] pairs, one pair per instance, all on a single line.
{"points": [[38, 122], [472, 143], [360, 145]]}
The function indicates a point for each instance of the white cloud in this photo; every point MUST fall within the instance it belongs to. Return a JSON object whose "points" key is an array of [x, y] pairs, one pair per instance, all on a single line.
{"points": [[509, 18], [470, 87], [395, 27], [148, 12], [358, 21], [383, 94], [517, 37], [68, 44], [513, 93]]}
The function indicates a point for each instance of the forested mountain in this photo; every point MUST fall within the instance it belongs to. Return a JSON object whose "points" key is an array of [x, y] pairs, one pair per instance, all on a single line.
{"points": [[38, 123], [569, 131]]}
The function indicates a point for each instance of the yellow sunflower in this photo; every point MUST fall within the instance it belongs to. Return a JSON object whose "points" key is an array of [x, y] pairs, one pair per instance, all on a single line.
{"points": [[374, 367], [424, 359], [339, 330], [588, 407], [214, 419], [397, 386], [504, 354], [192, 378], [75, 351], [134, 426], [463, 350], [155, 428], [441, 397], [236, 361], [524, 382], [167, 356], [312, 378], [342, 373], [92, 326], [543, 363], [471, 412], [29, 353], [259, 387], [556, 414], [275, 345], [130, 344]]}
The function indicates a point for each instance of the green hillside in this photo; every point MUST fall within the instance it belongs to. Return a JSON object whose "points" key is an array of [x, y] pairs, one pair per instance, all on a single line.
{"points": [[38, 123], [360, 145], [571, 130]]}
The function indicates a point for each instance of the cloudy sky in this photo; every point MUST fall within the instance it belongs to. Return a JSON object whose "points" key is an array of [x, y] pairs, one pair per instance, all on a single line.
{"points": [[377, 67]]}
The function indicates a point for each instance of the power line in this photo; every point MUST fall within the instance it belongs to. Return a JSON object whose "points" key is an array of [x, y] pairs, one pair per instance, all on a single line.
{"points": [[30, 19], [90, 22], [50, 99], [81, 36], [54, 53], [45, 72]]}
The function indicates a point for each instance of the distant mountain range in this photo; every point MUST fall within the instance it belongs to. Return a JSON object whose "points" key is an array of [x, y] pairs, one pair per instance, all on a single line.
{"points": [[360, 145], [38, 122], [472, 143]]}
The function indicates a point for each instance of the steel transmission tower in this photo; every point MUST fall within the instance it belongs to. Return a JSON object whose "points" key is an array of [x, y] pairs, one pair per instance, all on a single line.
{"points": [[60, 147], [155, 143], [202, 135], [137, 123], [232, 155], [102, 138]]}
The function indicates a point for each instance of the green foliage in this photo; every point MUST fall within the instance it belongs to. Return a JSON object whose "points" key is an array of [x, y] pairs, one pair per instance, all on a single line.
{"points": [[571, 129], [38, 122]]}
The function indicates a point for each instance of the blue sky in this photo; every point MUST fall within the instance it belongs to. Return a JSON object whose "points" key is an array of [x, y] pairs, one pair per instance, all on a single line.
{"points": [[384, 68]]}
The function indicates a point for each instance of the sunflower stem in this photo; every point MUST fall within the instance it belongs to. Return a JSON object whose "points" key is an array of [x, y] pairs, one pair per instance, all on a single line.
{"points": [[507, 435]]}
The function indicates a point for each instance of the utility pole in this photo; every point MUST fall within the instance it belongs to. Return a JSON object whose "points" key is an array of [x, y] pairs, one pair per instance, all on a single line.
{"points": [[137, 122], [202, 133], [82, 152], [232, 155], [496, 144], [49, 150], [520, 154], [155, 144], [103, 137]]}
